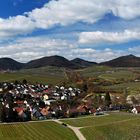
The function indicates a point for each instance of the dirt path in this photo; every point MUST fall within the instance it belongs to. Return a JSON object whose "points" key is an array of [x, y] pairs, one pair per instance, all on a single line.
{"points": [[76, 130]]}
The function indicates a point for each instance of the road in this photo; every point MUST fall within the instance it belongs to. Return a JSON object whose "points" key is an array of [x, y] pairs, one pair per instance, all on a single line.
{"points": [[76, 130]]}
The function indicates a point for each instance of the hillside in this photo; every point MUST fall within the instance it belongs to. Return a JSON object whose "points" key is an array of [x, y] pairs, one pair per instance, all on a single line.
{"points": [[57, 61], [123, 61], [83, 63], [10, 64]]}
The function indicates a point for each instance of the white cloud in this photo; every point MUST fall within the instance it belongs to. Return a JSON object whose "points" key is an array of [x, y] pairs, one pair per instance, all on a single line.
{"points": [[126, 9], [135, 49], [15, 25], [25, 49], [108, 37], [66, 12], [29, 48]]}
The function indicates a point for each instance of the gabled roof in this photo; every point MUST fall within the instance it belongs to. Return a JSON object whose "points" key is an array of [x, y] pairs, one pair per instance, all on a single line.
{"points": [[138, 108]]}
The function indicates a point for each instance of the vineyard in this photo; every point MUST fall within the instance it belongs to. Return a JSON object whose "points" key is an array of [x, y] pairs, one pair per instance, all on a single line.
{"points": [[36, 131]]}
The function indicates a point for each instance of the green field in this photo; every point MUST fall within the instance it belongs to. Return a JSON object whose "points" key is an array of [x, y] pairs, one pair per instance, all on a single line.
{"points": [[94, 71], [110, 74], [33, 78], [46, 75], [54, 75], [126, 75], [99, 120], [107, 73], [116, 126], [36, 131], [131, 87], [121, 79]]}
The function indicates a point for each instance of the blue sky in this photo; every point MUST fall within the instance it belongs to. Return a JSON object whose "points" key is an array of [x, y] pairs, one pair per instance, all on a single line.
{"points": [[93, 30], [18, 7]]}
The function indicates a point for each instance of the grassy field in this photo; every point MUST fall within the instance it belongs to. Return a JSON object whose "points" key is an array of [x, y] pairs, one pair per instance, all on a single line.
{"points": [[94, 71], [36, 131], [111, 127], [126, 75], [115, 126], [33, 78], [101, 120], [108, 73], [131, 87], [54, 75], [117, 131], [46, 75]]}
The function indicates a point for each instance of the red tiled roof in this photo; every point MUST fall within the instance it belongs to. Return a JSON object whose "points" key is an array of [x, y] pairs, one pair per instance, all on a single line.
{"points": [[46, 91], [19, 102], [19, 109], [138, 109], [82, 110]]}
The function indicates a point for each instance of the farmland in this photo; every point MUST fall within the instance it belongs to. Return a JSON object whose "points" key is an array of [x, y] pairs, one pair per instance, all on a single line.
{"points": [[111, 127], [36, 131], [132, 88], [109, 73], [127, 75], [46, 75], [119, 78]]}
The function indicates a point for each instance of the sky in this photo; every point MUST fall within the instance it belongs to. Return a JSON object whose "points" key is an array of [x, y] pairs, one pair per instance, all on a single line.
{"points": [[94, 30]]}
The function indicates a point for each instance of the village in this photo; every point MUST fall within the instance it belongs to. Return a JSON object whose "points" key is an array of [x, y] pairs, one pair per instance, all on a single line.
{"points": [[21, 101], [25, 102]]}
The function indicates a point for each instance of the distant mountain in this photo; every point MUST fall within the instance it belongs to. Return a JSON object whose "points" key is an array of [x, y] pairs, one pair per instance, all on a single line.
{"points": [[10, 64], [57, 61], [123, 61], [83, 63]]}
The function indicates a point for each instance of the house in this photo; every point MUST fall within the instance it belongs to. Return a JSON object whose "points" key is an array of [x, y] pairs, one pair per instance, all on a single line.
{"points": [[73, 112], [44, 111], [136, 110], [82, 111]]}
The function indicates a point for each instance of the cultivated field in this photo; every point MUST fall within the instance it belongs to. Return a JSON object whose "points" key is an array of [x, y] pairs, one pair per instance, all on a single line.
{"points": [[36, 131], [132, 88], [126, 75], [46, 75], [117, 126], [120, 78]]}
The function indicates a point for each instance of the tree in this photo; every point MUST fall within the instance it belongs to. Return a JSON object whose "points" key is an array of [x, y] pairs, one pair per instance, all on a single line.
{"points": [[134, 100], [24, 81], [107, 99], [16, 82], [1, 112]]}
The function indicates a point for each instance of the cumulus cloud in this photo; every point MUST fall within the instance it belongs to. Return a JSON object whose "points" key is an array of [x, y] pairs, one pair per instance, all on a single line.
{"points": [[15, 25], [108, 37], [25, 49], [65, 12]]}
